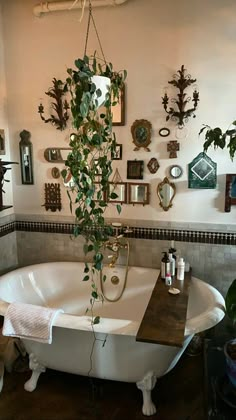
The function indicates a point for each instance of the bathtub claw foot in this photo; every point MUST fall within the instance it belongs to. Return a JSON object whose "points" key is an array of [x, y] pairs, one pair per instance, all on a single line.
{"points": [[146, 385], [37, 369]]}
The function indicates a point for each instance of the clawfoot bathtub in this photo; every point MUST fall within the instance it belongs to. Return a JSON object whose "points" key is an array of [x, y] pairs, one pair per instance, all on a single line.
{"points": [[116, 355]]}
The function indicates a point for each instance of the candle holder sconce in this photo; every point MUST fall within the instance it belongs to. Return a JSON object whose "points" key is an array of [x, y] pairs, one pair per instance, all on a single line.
{"points": [[60, 106], [181, 80], [26, 159]]}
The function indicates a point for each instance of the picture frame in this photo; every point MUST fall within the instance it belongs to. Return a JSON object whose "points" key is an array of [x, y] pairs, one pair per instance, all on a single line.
{"points": [[118, 110], [135, 169], [141, 131], [117, 154], [120, 188], [138, 193], [2, 142]]}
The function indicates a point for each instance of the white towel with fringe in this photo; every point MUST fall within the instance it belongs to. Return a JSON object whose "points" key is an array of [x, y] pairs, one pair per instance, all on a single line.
{"points": [[30, 322]]}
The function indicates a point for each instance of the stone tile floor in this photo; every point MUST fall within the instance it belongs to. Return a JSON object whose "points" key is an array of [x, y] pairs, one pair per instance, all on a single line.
{"points": [[179, 395]]}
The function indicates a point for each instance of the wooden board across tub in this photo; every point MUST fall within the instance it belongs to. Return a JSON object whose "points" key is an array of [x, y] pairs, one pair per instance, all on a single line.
{"points": [[165, 316]]}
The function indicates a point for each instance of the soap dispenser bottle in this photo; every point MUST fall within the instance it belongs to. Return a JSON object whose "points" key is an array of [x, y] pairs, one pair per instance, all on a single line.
{"points": [[180, 269], [172, 264], [165, 266]]}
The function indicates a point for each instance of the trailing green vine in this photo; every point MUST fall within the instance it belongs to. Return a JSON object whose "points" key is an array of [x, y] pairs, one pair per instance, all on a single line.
{"points": [[218, 138], [89, 161]]}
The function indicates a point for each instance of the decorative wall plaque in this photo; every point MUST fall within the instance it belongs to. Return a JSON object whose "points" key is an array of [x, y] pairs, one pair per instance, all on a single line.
{"points": [[52, 197], [173, 148], [202, 172], [153, 165], [141, 133]]}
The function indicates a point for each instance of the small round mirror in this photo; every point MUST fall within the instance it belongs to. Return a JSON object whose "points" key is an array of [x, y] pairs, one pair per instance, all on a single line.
{"points": [[176, 171]]}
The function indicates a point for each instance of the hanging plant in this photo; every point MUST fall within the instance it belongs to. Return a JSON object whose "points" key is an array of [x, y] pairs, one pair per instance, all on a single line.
{"points": [[217, 138], [92, 144]]}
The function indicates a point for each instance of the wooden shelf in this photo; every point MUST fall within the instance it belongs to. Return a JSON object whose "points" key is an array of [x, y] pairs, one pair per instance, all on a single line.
{"points": [[165, 316]]}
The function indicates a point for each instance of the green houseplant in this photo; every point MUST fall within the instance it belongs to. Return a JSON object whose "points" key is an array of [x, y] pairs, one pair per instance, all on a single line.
{"points": [[92, 144], [216, 137]]}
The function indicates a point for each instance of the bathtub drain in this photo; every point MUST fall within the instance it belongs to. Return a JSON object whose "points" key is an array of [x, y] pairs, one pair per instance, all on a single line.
{"points": [[115, 280]]}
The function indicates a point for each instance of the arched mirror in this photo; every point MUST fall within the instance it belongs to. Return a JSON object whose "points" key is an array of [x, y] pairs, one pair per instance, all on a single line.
{"points": [[166, 191], [176, 171]]}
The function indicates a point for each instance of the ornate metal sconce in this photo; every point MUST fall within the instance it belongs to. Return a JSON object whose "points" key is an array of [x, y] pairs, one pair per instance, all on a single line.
{"points": [[60, 106], [181, 81]]}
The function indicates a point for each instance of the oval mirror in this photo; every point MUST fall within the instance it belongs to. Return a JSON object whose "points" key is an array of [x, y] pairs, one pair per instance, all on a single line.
{"points": [[176, 171], [166, 191]]}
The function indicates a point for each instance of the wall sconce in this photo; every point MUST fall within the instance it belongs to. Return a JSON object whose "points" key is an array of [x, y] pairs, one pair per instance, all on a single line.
{"points": [[26, 160], [181, 81], [60, 106]]}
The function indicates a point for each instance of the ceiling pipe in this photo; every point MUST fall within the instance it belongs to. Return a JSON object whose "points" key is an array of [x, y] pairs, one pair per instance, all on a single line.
{"points": [[54, 6]]}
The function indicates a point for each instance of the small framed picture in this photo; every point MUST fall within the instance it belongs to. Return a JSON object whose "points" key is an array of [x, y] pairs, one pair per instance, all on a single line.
{"points": [[135, 169], [117, 154], [2, 142], [118, 110]]}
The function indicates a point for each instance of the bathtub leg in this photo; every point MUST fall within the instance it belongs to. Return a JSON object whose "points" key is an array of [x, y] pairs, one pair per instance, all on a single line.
{"points": [[37, 369], [146, 385]]}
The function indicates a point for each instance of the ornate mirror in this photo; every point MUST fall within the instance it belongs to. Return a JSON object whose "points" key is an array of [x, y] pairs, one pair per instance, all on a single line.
{"points": [[176, 171], [138, 193], [141, 133], [166, 191]]}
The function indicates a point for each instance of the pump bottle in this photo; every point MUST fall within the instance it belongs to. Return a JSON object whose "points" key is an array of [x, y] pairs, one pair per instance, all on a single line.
{"points": [[165, 266]]}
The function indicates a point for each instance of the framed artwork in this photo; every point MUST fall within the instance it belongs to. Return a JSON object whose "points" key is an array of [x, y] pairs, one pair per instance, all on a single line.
{"points": [[118, 110], [2, 142], [202, 172], [230, 192], [135, 169], [117, 154], [141, 131]]}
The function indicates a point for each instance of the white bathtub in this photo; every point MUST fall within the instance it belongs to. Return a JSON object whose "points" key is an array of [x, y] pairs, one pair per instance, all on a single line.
{"points": [[121, 358]]}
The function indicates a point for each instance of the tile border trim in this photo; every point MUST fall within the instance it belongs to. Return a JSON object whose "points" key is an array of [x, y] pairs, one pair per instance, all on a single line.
{"points": [[151, 233]]}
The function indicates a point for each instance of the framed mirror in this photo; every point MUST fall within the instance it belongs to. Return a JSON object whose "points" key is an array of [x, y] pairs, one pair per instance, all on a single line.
{"points": [[230, 192], [166, 191], [118, 110], [176, 171], [141, 133], [138, 193], [119, 188], [56, 154]]}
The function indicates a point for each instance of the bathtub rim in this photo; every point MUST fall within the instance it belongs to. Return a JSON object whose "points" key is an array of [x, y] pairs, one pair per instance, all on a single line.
{"points": [[210, 317]]}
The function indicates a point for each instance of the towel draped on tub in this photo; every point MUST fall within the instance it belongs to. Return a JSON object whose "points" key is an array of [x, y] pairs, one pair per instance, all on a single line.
{"points": [[30, 322]]}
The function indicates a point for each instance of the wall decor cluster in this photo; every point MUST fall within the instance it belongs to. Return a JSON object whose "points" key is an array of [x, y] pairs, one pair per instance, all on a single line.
{"points": [[166, 191], [59, 105], [202, 172], [52, 197], [2, 142], [26, 158], [230, 192], [181, 81], [141, 132]]}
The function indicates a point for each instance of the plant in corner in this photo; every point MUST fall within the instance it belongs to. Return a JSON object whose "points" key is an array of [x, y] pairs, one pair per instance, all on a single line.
{"points": [[89, 162]]}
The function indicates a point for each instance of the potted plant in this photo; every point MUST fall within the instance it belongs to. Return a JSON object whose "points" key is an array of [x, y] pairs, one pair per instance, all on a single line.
{"points": [[230, 346], [89, 162], [218, 138]]}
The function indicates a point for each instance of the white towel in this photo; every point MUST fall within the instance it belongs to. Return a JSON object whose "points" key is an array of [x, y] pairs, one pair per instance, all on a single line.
{"points": [[28, 321]]}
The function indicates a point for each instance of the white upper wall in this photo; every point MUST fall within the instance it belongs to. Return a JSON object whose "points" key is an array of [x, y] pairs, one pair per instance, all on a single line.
{"points": [[7, 195], [151, 39]]}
